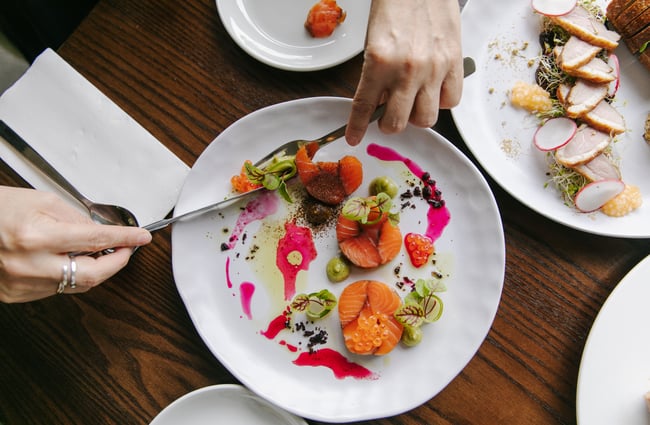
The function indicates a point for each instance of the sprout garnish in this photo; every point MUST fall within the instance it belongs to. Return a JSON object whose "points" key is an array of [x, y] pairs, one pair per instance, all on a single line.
{"points": [[274, 174]]}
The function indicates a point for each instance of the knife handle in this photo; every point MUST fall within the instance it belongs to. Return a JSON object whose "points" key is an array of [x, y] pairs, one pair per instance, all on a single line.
{"points": [[38, 161]]}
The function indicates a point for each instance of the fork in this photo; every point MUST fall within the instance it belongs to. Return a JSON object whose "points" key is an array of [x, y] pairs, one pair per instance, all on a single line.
{"points": [[289, 148]]}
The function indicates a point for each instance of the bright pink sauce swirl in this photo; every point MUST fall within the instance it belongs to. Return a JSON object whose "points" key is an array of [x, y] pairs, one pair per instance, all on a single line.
{"points": [[297, 239], [437, 217]]}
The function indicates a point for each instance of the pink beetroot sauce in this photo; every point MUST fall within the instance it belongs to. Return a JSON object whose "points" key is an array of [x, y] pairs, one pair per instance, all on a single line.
{"points": [[259, 208], [323, 357], [437, 218], [246, 291], [297, 239], [342, 367]]}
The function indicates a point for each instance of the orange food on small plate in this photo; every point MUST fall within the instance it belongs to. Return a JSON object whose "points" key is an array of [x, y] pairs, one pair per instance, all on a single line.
{"points": [[329, 182], [323, 18], [366, 311], [371, 244]]}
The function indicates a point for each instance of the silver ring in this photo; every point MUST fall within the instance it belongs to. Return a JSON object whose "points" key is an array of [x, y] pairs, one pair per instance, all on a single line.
{"points": [[64, 280], [73, 272]]}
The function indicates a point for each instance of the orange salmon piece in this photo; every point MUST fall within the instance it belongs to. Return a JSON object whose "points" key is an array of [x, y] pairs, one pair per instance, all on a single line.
{"points": [[368, 245], [390, 242], [328, 181], [307, 170], [351, 173], [361, 251], [354, 296], [366, 309], [323, 18], [241, 183]]}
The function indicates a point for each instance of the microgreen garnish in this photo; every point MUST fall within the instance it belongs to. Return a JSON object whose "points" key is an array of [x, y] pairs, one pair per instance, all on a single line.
{"points": [[644, 46], [273, 175], [420, 306], [315, 305], [369, 210]]}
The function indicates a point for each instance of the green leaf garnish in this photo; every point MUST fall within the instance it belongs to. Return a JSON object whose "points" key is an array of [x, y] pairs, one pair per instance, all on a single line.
{"points": [[644, 46], [315, 305], [360, 208], [410, 314], [420, 306], [273, 174]]}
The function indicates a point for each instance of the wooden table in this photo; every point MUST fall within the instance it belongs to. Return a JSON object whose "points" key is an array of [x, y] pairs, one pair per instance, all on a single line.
{"points": [[125, 350]]}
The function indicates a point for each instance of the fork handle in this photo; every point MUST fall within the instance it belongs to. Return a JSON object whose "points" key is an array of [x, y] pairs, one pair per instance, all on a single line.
{"points": [[340, 132]]}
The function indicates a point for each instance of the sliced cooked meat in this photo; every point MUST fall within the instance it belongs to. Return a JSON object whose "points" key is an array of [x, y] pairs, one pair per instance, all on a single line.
{"points": [[599, 168], [580, 23], [587, 144], [583, 97], [576, 53], [595, 71], [562, 93], [604, 117]]}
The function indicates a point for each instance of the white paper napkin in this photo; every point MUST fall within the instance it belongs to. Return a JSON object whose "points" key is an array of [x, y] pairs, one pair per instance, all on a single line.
{"points": [[93, 143]]}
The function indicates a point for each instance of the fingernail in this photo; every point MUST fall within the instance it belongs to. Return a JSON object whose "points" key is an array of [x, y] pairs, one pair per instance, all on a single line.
{"points": [[352, 141], [143, 238]]}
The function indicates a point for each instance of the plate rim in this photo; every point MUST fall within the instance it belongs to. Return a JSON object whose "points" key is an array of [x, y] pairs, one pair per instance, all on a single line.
{"points": [[275, 63], [220, 388], [630, 278]]}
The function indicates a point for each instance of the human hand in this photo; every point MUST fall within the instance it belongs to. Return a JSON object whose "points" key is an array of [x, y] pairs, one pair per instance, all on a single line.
{"points": [[412, 62], [39, 229]]}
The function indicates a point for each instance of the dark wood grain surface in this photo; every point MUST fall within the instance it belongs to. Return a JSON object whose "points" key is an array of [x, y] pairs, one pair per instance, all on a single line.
{"points": [[122, 352]]}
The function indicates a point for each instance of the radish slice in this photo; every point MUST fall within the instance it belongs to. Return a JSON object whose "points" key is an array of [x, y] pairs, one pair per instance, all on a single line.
{"points": [[595, 194], [613, 86], [554, 133], [553, 7]]}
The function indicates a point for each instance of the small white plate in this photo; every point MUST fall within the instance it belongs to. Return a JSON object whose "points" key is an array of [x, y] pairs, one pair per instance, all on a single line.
{"points": [[503, 41], [615, 367], [226, 404], [273, 32]]}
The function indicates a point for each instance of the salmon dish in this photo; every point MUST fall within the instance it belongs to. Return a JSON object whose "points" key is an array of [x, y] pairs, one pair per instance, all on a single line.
{"points": [[323, 18], [368, 245], [366, 311], [329, 182]]}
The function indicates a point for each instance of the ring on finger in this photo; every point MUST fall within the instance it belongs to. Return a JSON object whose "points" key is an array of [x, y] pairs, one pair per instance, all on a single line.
{"points": [[73, 272], [64, 280]]}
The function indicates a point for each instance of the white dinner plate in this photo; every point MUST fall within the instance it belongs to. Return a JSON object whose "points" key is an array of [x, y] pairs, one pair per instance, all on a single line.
{"points": [[615, 367], [273, 32], [216, 284], [503, 40], [226, 405]]}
